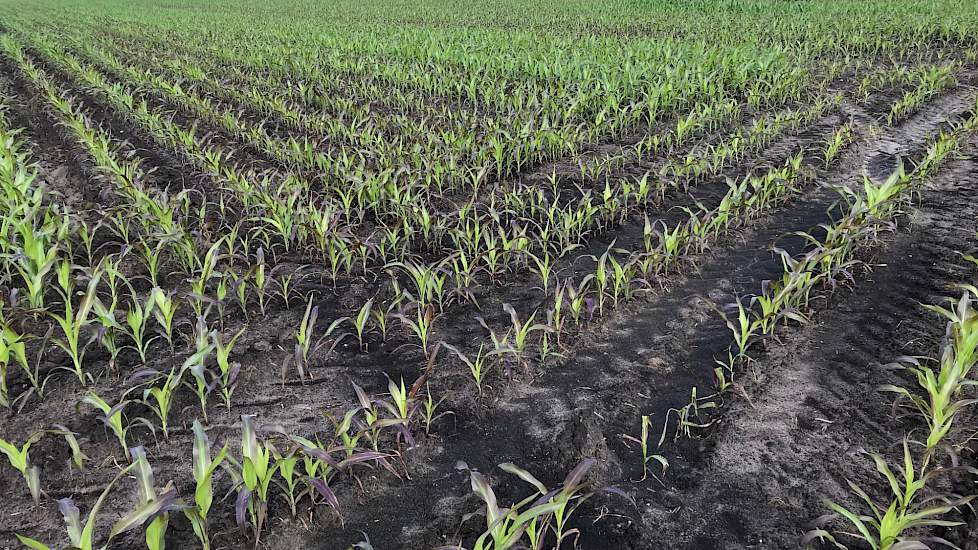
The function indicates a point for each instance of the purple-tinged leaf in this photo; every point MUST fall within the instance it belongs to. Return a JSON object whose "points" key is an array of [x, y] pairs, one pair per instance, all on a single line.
{"points": [[142, 374], [241, 506], [365, 401], [577, 474], [362, 457], [72, 518], [327, 493], [147, 512]]}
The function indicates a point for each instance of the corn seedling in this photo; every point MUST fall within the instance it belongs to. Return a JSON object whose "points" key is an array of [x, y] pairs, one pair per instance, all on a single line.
{"points": [[743, 328], [888, 525], [164, 308], [430, 412], [204, 380], [207, 271], [476, 366], [304, 346], [80, 536], [74, 321], [360, 322], [19, 458], [519, 334], [533, 518], [203, 471], [255, 475], [842, 137], [112, 417], [152, 509], [229, 370], [12, 351], [137, 321], [644, 444], [421, 325]]}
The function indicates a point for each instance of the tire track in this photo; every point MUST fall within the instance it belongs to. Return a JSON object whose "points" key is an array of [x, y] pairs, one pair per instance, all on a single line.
{"points": [[818, 404]]}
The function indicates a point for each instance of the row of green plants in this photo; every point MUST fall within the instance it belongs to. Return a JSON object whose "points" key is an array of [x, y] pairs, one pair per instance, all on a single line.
{"points": [[28, 235], [932, 81], [454, 138], [943, 392], [271, 466], [423, 289], [900, 76]]}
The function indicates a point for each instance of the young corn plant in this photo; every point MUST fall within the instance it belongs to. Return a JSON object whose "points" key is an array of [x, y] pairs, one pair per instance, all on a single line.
{"points": [[962, 331], [644, 444], [888, 526], [305, 347], [80, 536], [941, 404], [75, 321], [429, 282], [842, 137], [531, 522], [881, 198], [401, 407], [476, 366], [688, 416], [19, 458], [112, 417], [254, 476], [38, 254], [109, 330], [544, 268], [203, 471], [164, 309], [372, 419], [203, 379], [229, 370], [207, 271], [159, 399], [360, 323], [602, 277], [421, 325], [430, 414], [137, 321], [284, 283], [744, 327], [152, 258], [521, 331], [288, 481], [152, 509], [239, 286], [13, 351], [578, 300]]}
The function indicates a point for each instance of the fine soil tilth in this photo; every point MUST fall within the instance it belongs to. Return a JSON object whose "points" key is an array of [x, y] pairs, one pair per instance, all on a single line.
{"points": [[751, 466]]}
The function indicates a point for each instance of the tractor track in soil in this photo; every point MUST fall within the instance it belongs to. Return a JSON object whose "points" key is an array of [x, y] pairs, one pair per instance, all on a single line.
{"points": [[815, 403]]}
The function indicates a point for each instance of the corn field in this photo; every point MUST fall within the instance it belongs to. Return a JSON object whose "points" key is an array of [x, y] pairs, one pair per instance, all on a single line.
{"points": [[489, 276]]}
